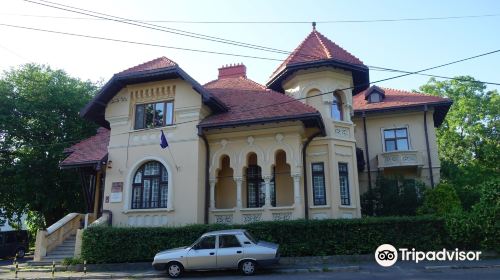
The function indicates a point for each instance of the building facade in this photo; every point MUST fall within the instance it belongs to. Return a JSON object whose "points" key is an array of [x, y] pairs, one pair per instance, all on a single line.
{"points": [[305, 145]]}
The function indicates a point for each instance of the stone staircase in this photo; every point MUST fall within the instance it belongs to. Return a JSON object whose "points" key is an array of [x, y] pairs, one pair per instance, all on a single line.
{"points": [[61, 252]]}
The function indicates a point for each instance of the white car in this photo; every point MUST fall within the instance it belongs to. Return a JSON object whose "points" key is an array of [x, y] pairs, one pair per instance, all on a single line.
{"points": [[225, 249]]}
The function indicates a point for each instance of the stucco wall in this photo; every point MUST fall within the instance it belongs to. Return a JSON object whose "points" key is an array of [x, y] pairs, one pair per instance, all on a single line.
{"points": [[414, 122], [129, 149]]}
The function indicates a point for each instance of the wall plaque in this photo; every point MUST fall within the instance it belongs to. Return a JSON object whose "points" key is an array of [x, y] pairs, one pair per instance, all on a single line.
{"points": [[116, 192]]}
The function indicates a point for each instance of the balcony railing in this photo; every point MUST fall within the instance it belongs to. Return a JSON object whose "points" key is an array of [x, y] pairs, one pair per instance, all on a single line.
{"points": [[399, 159]]}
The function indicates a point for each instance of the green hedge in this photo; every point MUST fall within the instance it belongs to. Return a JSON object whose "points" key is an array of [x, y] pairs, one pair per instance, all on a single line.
{"points": [[296, 238]]}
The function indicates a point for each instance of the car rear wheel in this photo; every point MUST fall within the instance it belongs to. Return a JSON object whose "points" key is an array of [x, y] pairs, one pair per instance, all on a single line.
{"points": [[248, 267], [174, 269], [20, 253]]}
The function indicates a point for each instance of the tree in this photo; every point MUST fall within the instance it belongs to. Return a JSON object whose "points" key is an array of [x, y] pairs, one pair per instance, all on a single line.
{"points": [[39, 117], [468, 139]]}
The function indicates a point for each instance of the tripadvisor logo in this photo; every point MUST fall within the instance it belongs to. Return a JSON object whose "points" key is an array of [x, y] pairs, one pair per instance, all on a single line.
{"points": [[387, 255]]}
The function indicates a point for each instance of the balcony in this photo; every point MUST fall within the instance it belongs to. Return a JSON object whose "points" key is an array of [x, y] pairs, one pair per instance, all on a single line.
{"points": [[399, 159]]}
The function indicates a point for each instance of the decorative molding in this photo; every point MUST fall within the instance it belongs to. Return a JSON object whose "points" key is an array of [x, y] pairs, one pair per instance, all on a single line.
{"points": [[153, 93], [252, 218], [279, 137], [118, 99], [224, 219], [342, 132], [320, 216], [284, 216], [317, 154], [250, 140]]}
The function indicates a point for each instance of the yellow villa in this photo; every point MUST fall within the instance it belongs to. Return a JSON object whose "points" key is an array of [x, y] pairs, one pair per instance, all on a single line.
{"points": [[305, 145]]}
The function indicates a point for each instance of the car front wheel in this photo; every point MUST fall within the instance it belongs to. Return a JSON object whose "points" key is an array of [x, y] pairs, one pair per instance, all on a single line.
{"points": [[248, 267], [174, 269]]}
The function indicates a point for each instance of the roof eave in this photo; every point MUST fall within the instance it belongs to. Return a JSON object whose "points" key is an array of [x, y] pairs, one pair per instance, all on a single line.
{"points": [[441, 108], [307, 119], [94, 110], [360, 73]]}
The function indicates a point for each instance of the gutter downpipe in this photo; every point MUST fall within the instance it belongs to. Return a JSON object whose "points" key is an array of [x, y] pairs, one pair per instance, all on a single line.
{"points": [[428, 146], [304, 167], [368, 162], [207, 184]]}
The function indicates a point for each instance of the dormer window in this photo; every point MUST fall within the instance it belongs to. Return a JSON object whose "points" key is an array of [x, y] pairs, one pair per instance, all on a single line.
{"points": [[374, 94], [374, 98], [337, 113]]}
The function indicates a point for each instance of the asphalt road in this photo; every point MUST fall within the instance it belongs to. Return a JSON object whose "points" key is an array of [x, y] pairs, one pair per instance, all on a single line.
{"points": [[393, 273], [4, 262]]}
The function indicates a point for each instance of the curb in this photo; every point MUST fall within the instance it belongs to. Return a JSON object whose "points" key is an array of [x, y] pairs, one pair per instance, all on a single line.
{"points": [[437, 267]]}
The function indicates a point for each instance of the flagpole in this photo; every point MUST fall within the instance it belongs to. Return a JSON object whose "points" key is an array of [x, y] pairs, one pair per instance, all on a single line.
{"points": [[164, 145], [173, 159]]}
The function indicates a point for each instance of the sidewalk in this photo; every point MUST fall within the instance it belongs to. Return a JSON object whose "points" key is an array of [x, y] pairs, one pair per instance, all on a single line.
{"points": [[144, 271]]}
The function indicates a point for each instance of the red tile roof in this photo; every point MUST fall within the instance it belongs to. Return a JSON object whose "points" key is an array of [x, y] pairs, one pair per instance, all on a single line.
{"points": [[161, 62], [317, 47], [240, 95], [395, 98], [88, 151]]}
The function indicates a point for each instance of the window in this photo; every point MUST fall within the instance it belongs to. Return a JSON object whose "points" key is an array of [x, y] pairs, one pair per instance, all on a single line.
{"points": [[345, 196], [256, 187], [396, 139], [154, 115], [337, 107], [150, 186], [318, 183], [256, 195], [374, 98], [207, 242], [228, 241]]}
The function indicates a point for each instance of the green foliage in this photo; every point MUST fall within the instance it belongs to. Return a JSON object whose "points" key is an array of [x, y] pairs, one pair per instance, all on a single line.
{"points": [[296, 238], [393, 196], [72, 261], [39, 117], [440, 201], [480, 226], [468, 139]]}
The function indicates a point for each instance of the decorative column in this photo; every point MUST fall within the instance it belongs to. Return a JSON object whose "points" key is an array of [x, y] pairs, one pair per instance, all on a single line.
{"points": [[212, 193], [239, 181], [296, 189], [267, 188]]}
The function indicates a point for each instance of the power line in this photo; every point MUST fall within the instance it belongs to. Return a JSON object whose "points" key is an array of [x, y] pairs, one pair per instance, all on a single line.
{"points": [[135, 42], [376, 68], [270, 22], [154, 26], [207, 37]]}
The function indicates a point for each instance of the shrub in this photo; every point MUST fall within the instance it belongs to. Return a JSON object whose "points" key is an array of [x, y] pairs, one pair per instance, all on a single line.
{"points": [[296, 238], [393, 196], [479, 228], [440, 201]]}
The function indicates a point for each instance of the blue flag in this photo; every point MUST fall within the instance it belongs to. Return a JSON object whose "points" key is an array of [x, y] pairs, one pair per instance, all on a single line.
{"points": [[163, 141]]}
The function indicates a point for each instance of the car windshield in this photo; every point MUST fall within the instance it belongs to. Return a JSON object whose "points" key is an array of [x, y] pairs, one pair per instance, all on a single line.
{"points": [[250, 237]]}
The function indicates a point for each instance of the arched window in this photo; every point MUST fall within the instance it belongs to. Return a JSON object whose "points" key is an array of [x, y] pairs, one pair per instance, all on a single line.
{"points": [[337, 113], [150, 186]]}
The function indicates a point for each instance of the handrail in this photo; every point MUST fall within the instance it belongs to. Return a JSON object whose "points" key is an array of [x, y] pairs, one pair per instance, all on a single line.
{"points": [[57, 225]]}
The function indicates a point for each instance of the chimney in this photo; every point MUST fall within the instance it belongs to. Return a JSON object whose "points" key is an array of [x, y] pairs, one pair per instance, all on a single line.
{"points": [[233, 71]]}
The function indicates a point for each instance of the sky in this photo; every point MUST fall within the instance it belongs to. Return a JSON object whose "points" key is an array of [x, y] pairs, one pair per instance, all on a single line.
{"points": [[404, 45]]}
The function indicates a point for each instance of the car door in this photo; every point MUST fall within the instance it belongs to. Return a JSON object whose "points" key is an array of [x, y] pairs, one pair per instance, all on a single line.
{"points": [[229, 251], [10, 244], [3, 253], [202, 254]]}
